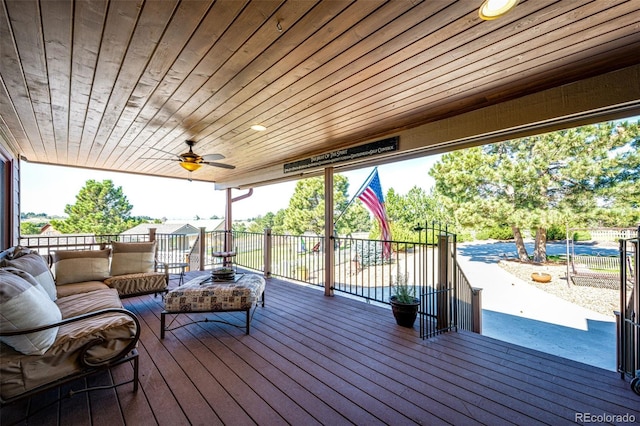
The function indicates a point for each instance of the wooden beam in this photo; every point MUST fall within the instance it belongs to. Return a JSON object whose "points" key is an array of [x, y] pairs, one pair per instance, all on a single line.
{"points": [[610, 96]]}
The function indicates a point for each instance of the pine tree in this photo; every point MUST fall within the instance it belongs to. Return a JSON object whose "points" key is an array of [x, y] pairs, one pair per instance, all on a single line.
{"points": [[100, 209]]}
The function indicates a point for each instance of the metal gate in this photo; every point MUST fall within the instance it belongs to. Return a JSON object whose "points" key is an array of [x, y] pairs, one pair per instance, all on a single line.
{"points": [[449, 303], [628, 318]]}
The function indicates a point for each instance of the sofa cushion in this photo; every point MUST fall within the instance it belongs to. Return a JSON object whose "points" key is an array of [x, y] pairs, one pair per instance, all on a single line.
{"points": [[111, 332], [34, 264], [77, 288], [82, 303], [82, 265], [23, 305], [132, 258]]}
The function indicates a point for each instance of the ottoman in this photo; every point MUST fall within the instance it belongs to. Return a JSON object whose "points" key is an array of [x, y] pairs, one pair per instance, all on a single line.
{"points": [[202, 294]]}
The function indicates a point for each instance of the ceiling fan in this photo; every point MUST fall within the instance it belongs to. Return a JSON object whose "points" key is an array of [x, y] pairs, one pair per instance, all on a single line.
{"points": [[191, 161]]}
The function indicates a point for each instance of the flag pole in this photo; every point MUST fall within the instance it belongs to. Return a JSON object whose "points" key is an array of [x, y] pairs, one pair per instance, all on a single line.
{"points": [[364, 184]]}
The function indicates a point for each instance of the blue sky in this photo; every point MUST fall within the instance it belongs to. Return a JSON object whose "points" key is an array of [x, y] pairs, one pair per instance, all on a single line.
{"points": [[47, 189]]}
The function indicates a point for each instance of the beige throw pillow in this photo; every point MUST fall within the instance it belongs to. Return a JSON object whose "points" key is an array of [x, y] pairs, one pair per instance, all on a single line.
{"points": [[132, 258], [82, 265], [24, 305], [37, 267]]}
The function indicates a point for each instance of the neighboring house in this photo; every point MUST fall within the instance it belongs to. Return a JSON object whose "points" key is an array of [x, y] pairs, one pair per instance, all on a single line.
{"points": [[208, 224], [175, 237], [162, 228], [190, 230], [170, 236], [48, 229]]}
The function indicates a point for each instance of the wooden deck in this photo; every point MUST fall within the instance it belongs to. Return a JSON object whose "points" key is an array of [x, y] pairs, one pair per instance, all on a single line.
{"points": [[312, 359]]}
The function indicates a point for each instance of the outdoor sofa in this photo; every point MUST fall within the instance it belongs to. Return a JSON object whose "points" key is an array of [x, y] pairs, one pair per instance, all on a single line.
{"points": [[66, 322]]}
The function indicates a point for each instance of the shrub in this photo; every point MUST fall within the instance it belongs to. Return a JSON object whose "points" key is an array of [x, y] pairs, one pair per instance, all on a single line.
{"points": [[555, 233], [369, 252], [581, 236], [464, 236], [495, 233]]}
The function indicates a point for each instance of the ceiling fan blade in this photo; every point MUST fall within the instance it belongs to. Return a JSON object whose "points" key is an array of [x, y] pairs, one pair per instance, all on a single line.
{"points": [[212, 157], [224, 166], [166, 152]]}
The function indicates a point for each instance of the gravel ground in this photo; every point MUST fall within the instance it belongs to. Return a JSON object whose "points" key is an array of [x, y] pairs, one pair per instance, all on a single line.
{"points": [[600, 300]]}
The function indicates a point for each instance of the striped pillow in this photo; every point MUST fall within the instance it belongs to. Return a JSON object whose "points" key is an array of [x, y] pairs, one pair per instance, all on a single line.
{"points": [[36, 266], [24, 304], [80, 266], [132, 258]]}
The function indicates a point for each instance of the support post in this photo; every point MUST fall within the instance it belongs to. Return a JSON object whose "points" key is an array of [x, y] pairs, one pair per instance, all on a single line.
{"points": [[442, 309], [201, 249], [476, 305], [267, 252], [329, 254], [619, 341], [228, 223]]}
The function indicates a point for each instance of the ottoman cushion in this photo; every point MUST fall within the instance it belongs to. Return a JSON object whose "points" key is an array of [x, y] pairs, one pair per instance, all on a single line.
{"points": [[215, 296]]}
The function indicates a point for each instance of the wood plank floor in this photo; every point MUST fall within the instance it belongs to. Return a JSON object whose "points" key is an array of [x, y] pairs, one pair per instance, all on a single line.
{"points": [[312, 359]]}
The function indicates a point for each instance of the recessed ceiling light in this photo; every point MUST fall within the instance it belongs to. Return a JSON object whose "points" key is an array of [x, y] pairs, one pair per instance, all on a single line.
{"points": [[493, 9], [258, 128]]}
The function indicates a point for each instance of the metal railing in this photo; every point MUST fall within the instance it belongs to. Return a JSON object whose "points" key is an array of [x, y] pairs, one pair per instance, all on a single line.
{"points": [[170, 248], [364, 268], [361, 269], [47, 245], [628, 318], [469, 300]]}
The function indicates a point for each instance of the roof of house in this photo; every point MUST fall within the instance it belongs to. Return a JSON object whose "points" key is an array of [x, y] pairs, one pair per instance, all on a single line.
{"points": [[207, 224], [163, 228]]}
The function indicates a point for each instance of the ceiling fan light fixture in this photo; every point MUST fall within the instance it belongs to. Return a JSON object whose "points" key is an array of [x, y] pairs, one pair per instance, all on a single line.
{"points": [[258, 128], [494, 9], [192, 167]]}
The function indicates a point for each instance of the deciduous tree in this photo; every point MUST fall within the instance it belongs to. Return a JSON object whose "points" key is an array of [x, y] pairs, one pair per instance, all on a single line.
{"points": [[406, 212], [30, 228], [269, 220]]}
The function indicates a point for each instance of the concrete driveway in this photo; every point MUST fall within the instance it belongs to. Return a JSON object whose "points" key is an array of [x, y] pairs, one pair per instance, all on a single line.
{"points": [[517, 312]]}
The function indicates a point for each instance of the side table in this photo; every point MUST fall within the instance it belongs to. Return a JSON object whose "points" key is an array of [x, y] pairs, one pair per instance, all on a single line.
{"points": [[182, 266]]}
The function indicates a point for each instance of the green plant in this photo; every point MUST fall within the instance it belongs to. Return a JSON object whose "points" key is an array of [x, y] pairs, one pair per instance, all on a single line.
{"points": [[581, 236], [496, 233], [555, 233], [370, 252], [403, 292]]}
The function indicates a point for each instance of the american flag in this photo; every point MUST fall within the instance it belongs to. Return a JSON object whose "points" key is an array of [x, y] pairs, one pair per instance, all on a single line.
{"points": [[372, 197]]}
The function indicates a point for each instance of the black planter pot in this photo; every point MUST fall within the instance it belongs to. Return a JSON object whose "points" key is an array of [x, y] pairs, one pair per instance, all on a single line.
{"points": [[405, 313]]}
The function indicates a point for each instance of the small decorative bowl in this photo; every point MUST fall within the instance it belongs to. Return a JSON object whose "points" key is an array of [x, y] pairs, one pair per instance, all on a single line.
{"points": [[541, 277]]}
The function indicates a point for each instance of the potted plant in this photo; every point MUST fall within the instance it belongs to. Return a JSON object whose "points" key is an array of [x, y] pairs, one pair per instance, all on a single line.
{"points": [[404, 302]]}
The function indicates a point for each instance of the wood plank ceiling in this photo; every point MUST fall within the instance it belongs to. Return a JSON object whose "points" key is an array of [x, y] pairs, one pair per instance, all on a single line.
{"points": [[99, 84]]}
